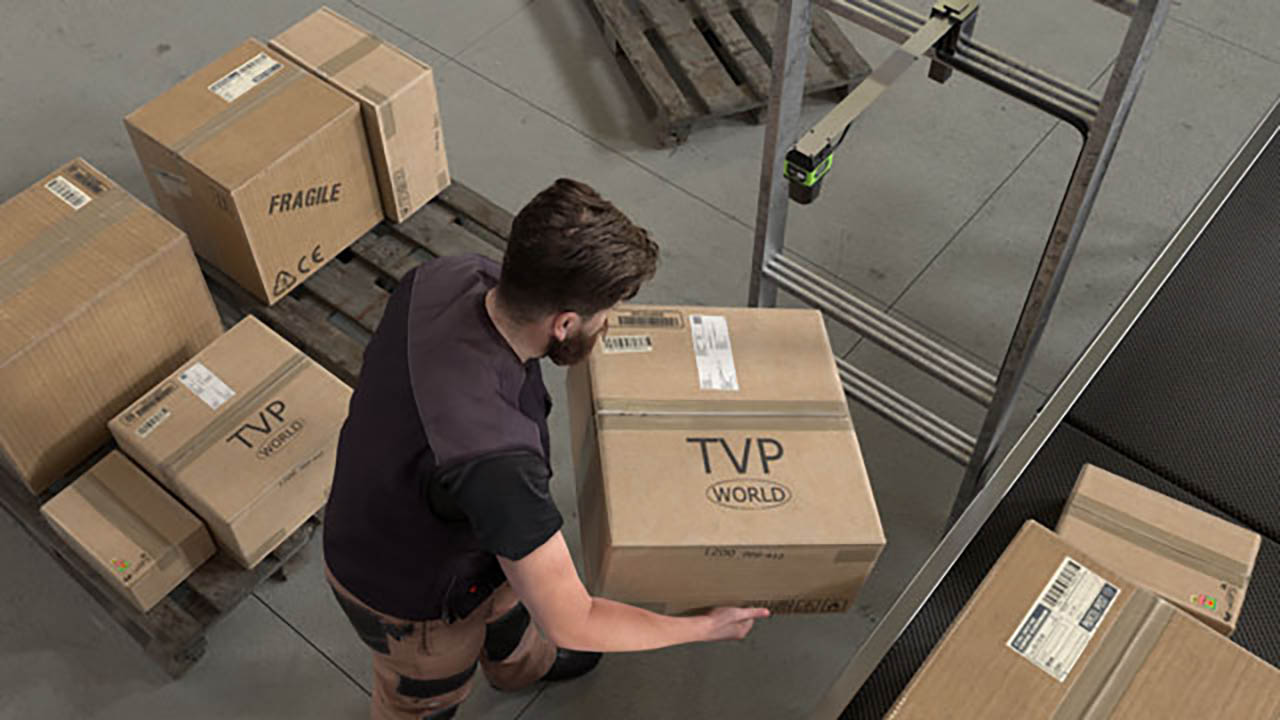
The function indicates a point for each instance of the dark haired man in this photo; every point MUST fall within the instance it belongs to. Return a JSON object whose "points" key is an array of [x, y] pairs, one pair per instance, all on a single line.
{"points": [[442, 542]]}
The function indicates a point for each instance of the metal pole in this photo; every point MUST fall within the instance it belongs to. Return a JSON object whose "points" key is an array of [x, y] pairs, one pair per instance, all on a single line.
{"points": [[790, 55], [1099, 145]]}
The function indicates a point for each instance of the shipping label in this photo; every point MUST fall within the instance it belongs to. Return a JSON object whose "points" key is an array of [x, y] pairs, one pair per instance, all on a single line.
{"points": [[1057, 629], [153, 422], [714, 352], [648, 319], [246, 77], [67, 192], [206, 386]]}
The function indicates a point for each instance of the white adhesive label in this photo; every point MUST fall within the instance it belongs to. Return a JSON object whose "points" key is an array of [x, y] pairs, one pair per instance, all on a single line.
{"points": [[627, 344], [153, 422], [1057, 629], [67, 192], [206, 386], [246, 77], [714, 352]]}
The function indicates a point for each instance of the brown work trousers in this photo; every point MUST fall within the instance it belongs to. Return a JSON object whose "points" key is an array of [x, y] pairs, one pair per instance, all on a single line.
{"points": [[423, 668]]}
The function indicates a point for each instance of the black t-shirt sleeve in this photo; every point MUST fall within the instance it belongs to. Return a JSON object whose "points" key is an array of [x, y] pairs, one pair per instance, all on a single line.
{"points": [[508, 501]]}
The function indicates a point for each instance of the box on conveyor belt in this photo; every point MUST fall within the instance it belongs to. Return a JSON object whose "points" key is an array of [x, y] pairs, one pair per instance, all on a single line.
{"points": [[717, 464], [245, 434], [397, 94], [263, 164], [100, 297], [1055, 633], [1196, 561], [132, 532]]}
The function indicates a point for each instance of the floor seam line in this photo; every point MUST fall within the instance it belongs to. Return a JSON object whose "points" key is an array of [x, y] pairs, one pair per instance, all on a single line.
{"points": [[532, 700], [308, 641], [356, 4], [1225, 40], [528, 4]]}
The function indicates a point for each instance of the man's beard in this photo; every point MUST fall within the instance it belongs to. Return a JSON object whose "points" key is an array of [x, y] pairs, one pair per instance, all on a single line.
{"points": [[573, 349]]}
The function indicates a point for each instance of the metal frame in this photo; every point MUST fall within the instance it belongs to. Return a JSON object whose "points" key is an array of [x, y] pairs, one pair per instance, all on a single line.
{"points": [[946, 37], [926, 580]]}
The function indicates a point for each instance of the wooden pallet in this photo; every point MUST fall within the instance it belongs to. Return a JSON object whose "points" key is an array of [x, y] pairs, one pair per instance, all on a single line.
{"points": [[333, 313], [703, 59], [173, 632]]}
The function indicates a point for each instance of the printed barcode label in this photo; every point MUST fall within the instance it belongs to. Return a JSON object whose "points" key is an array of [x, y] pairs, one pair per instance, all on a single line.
{"points": [[1057, 629], [627, 344], [206, 386], [153, 422], [70, 194], [654, 320], [246, 77], [713, 352]]}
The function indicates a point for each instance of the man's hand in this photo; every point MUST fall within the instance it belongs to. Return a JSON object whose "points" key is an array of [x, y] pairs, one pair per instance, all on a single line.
{"points": [[548, 583]]}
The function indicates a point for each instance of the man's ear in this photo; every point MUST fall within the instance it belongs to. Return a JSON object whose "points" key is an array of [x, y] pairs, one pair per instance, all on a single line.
{"points": [[564, 324]]}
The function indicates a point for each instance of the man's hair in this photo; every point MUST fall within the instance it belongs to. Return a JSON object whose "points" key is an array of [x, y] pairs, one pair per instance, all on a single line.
{"points": [[573, 251]]}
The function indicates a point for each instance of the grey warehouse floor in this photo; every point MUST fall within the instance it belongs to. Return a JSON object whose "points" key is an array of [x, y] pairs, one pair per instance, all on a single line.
{"points": [[937, 209]]}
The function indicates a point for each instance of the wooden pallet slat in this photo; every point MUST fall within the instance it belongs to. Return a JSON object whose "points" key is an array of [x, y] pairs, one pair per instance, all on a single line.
{"points": [[352, 289], [710, 81], [737, 45], [848, 61], [627, 32], [438, 231], [391, 255], [479, 211]]}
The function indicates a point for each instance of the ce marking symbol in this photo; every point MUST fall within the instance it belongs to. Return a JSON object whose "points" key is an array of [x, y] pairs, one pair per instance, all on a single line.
{"points": [[307, 263]]}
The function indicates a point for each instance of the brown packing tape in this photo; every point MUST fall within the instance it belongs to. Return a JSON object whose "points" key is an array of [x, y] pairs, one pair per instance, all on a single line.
{"points": [[722, 422], [261, 552], [232, 415], [237, 109], [1107, 676], [1166, 544], [60, 240], [720, 406], [386, 110], [350, 56], [134, 526]]}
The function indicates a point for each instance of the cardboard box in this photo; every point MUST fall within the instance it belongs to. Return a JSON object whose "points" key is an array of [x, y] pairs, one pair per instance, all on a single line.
{"points": [[245, 434], [1196, 561], [137, 537], [100, 297], [397, 94], [264, 165], [1055, 633], [717, 464]]}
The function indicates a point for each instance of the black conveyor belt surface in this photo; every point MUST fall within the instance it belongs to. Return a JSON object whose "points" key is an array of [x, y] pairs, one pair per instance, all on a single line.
{"points": [[1040, 494], [1193, 391]]}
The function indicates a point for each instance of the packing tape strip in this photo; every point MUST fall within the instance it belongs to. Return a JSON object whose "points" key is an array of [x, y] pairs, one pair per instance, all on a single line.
{"points": [[237, 109], [1162, 542], [261, 552], [60, 240], [134, 526], [233, 415], [722, 422], [1111, 670], [773, 408], [385, 109], [350, 56]]}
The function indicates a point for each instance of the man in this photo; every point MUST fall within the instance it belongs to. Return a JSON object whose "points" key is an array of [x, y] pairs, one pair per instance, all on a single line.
{"points": [[442, 542]]}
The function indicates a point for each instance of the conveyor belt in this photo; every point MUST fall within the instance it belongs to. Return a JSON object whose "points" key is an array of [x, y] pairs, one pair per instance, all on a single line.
{"points": [[1040, 494], [1193, 392]]}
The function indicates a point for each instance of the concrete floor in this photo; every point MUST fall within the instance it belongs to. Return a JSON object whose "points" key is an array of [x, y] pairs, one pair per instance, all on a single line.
{"points": [[938, 209]]}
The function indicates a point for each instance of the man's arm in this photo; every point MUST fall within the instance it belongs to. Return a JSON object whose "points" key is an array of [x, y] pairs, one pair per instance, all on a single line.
{"points": [[548, 583]]}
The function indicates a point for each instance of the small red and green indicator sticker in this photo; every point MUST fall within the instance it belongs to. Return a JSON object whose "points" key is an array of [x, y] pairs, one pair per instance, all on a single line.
{"points": [[121, 566], [1205, 602]]}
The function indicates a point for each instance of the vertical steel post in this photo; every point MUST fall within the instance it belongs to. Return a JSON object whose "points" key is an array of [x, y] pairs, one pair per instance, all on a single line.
{"points": [[786, 99]]}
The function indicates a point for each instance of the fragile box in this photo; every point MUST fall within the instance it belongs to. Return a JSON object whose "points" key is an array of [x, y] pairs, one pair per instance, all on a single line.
{"points": [[397, 94], [717, 464], [1196, 561], [137, 537], [1054, 632], [245, 434], [100, 298], [264, 165]]}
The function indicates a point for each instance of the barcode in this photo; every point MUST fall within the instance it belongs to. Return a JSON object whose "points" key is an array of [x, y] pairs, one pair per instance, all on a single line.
{"points": [[1066, 578], [649, 320], [628, 343], [153, 422], [246, 77], [70, 194]]}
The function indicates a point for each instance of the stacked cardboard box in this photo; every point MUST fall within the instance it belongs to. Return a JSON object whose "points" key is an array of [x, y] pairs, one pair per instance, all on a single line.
{"points": [[717, 464], [99, 298], [265, 166], [1055, 632], [1194, 560], [397, 94], [245, 433], [141, 540]]}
